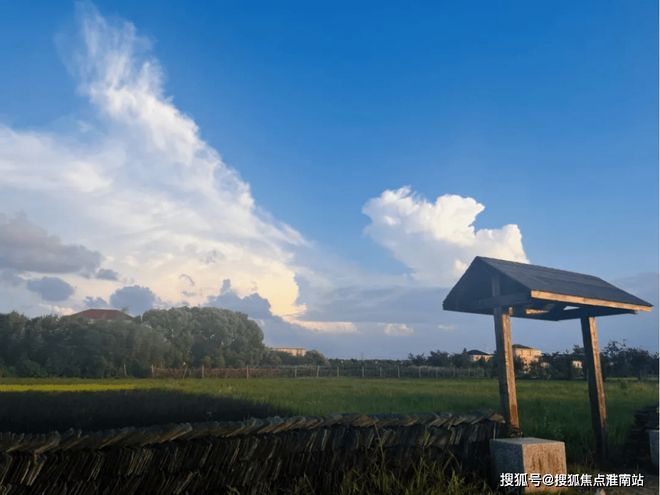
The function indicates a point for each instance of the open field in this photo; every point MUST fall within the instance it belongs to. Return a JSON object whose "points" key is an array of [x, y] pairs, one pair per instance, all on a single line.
{"points": [[548, 409]]}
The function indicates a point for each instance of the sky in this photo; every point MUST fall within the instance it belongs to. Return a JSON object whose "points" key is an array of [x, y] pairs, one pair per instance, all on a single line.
{"points": [[328, 169]]}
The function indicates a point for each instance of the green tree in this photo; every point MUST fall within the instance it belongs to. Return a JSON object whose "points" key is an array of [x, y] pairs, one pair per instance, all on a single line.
{"points": [[209, 336]]}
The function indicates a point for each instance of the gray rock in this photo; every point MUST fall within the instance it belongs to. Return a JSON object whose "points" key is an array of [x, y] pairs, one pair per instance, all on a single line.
{"points": [[527, 456]]}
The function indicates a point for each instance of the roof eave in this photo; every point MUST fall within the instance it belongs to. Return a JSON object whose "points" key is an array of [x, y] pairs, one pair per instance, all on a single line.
{"points": [[587, 301]]}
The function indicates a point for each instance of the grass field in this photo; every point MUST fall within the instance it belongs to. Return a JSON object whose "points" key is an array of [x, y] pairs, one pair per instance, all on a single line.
{"points": [[548, 409]]}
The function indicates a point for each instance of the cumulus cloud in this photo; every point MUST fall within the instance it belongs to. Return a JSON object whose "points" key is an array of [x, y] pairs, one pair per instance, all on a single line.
{"points": [[281, 331], [95, 302], [135, 299], [330, 327], [25, 246], [252, 305], [51, 288], [398, 329], [139, 184], [107, 274], [259, 309], [437, 240]]}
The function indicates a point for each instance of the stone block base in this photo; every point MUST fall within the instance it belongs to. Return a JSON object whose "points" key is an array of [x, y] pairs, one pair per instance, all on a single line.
{"points": [[518, 460]]}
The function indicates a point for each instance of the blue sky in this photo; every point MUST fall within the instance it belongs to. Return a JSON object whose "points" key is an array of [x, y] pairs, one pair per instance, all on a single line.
{"points": [[545, 113]]}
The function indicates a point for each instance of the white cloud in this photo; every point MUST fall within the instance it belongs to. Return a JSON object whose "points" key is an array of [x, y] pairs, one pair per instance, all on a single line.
{"points": [[331, 327], [437, 240], [25, 246], [139, 185], [398, 329], [137, 191]]}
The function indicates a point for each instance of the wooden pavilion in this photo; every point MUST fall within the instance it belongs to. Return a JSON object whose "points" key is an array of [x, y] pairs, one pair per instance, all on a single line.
{"points": [[506, 288]]}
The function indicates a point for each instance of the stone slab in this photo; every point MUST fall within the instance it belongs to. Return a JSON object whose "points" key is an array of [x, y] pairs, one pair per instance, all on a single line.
{"points": [[528, 455]]}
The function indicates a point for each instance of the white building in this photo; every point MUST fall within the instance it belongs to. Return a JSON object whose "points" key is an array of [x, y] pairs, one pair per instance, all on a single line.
{"points": [[476, 355], [294, 351], [528, 355]]}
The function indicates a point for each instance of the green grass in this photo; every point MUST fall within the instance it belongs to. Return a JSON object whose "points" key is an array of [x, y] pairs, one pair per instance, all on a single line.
{"points": [[548, 409], [28, 385]]}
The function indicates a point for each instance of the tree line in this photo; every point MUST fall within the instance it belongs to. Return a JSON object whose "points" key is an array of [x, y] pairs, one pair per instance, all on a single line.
{"points": [[219, 338], [172, 338], [617, 360]]}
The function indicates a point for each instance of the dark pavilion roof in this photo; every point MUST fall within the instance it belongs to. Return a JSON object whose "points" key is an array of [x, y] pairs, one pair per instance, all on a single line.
{"points": [[531, 291]]}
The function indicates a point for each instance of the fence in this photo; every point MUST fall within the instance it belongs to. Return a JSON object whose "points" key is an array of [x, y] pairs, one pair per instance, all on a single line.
{"points": [[427, 372], [251, 456]]}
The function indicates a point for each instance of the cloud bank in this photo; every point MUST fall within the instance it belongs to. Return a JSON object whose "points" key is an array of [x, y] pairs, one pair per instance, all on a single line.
{"points": [[134, 209], [137, 188], [25, 246], [437, 241]]}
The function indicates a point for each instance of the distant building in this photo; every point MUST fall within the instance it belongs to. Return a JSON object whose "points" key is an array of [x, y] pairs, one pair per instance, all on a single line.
{"points": [[475, 355], [528, 355], [294, 351], [102, 314], [576, 364]]}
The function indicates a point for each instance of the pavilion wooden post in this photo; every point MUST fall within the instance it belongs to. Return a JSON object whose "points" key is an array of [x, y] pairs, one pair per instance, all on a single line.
{"points": [[596, 388], [536, 292], [505, 370]]}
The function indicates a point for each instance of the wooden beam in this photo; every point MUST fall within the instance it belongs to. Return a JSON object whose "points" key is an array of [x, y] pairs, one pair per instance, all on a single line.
{"points": [[572, 314], [535, 309], [592, 313], [505, 369], [596, 388], [490, 303], [586, 301]]}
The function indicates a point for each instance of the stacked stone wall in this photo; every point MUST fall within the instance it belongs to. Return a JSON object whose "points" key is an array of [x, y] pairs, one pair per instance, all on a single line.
{"points": [[249, 456]]}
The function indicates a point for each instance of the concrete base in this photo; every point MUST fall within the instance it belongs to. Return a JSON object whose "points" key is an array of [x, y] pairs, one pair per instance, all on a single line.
{"points": [[534, 457], [654, 435]]}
